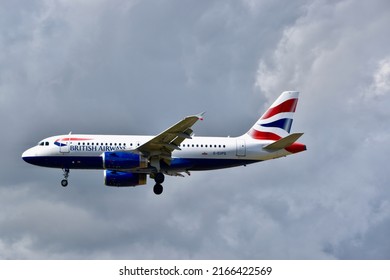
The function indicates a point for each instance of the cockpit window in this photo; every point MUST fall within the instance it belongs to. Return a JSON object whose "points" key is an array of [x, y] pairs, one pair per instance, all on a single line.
{"points": [[41, 143], [46, 143]]}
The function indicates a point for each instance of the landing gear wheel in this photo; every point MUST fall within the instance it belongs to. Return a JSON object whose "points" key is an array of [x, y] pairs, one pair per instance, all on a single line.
{"points": [[159, 178], [158, 189], [64, 182]]}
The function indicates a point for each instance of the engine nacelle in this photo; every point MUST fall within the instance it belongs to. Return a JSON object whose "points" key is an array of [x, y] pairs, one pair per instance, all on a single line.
{"points": [[123, 160], [123, 179]]}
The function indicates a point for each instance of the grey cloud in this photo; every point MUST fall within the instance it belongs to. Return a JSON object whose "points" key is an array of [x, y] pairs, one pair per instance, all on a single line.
{"points": [[136, 67]]}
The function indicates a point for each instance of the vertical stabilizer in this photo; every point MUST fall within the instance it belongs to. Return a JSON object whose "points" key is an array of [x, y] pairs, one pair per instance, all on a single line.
{"points": [[276, 122]]}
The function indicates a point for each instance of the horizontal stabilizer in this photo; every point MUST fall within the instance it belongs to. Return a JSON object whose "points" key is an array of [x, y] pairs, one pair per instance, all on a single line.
{"points": [[284, 142]]}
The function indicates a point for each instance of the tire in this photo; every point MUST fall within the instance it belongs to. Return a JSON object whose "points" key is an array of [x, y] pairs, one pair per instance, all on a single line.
{"points": [[64, 183], [159, 178], [158, 189]]}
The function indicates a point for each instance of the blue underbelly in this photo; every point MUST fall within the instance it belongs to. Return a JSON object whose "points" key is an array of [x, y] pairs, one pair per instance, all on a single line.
{"points": [[96, 162], [205, 164]]}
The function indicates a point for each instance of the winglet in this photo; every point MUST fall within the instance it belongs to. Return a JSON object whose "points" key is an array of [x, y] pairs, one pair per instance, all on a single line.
{"points": [[200, 116]]}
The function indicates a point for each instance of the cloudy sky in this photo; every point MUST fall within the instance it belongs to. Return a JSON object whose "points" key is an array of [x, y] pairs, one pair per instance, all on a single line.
{"points": [[136, 67]]}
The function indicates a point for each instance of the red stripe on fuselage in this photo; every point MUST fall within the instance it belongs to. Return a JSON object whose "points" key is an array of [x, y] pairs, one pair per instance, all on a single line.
{"points": [[287, 106], [73, 139]]}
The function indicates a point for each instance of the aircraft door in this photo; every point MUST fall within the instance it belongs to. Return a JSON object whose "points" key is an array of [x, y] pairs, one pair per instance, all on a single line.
{"points": [[64, 145], [241, 147]]}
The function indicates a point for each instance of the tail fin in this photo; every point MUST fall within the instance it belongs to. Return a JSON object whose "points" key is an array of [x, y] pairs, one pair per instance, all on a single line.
{"points": [[276, 122]]}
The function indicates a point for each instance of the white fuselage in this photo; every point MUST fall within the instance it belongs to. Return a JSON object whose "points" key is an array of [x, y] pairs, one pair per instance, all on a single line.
{"points": [[84, 151]]}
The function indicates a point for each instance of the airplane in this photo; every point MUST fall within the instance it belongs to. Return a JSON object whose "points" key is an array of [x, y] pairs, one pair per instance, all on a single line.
{"points": [[127, 160]]}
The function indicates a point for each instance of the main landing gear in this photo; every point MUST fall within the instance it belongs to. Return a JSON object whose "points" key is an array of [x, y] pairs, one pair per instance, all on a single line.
{"points": [[64, 182], [159, 179]]}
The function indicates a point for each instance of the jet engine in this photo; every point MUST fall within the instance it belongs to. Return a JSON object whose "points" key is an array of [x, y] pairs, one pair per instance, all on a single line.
{"points": [[123, 179], [123, 160]]}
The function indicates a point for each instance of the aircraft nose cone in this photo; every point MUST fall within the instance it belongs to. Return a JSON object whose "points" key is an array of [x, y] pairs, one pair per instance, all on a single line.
{"points": [[28, 155]]}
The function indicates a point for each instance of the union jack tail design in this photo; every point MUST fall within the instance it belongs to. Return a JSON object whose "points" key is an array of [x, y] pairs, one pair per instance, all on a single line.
{"points": [[276, 122]]}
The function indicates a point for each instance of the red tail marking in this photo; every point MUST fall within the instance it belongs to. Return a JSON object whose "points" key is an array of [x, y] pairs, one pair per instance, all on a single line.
{"points": [[287, 106], [262, 135], [296, 148]]}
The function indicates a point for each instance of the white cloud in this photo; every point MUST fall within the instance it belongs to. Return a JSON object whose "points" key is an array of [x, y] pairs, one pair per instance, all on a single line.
{"points": [[330, 54], [381, 78]]}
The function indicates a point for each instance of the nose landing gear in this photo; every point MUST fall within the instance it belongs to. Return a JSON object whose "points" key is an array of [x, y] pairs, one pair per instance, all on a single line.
{"points": [[64, 182]]}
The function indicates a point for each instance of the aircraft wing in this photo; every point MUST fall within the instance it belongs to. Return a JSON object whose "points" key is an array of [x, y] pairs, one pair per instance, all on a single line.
{"points": [[169, 140]]}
